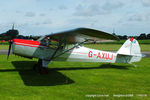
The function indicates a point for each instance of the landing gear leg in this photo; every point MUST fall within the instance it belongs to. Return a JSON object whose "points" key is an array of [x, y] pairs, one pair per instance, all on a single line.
{"points": [[39, 67]]}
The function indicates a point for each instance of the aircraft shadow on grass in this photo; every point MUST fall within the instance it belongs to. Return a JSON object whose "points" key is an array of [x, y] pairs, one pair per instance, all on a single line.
{"points": [[53, 78]]}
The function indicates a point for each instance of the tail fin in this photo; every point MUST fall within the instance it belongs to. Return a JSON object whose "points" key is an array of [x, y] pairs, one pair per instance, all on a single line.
{"points": [[131, 49]]}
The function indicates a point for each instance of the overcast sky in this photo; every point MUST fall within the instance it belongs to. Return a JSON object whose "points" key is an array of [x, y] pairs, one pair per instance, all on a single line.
{"points": [[39, 17]]}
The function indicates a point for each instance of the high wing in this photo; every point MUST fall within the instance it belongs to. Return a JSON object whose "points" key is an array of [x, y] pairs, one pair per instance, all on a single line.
{"points": [[79, 35]]}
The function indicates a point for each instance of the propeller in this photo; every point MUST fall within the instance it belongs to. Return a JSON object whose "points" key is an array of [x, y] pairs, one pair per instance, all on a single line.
{"points": [[10, 43]]}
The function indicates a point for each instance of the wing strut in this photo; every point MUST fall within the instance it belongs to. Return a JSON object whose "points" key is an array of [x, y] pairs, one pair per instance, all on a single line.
{"points": [[55, 52], [71, 48]]}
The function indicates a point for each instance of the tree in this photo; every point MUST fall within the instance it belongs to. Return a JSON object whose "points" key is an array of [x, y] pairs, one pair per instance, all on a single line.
{"points": [[142, 36], [12, 33], [148, 36], [124, 37], [9, 35]]}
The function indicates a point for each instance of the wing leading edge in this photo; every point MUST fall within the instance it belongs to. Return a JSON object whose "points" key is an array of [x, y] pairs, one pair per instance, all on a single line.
{"points": [[79, 35]]}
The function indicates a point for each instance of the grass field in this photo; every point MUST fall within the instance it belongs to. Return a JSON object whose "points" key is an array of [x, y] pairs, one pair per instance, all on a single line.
{"points": [[122, 41], [72, 81], [114, 47], [114, 42], [108, 47], [4, 47]]}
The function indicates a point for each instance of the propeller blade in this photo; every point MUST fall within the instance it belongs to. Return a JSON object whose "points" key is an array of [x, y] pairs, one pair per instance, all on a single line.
{"points": [[13, 27], [10, 43]]}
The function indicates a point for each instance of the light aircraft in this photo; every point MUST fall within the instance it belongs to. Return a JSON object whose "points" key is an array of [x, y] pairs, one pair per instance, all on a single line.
{"points": [[67, 46]]}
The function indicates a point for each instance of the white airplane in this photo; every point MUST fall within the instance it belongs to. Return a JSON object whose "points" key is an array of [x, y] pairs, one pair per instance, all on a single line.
{"points": [[66, 46]]}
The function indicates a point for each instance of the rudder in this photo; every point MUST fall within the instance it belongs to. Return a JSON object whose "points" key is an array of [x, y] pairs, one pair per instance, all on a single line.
{"points": [[131, 48]]}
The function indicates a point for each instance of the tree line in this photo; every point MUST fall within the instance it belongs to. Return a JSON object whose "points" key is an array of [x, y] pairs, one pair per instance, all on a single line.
{"points": [[13, 33], [142, 36]]}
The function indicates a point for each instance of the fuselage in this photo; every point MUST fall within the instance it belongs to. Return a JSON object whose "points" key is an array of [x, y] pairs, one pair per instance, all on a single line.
{"points": [[34, 49]]}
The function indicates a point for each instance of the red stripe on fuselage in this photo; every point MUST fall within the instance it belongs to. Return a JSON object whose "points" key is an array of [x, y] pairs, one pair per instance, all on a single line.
{"points": [[80, 52], [26, 41], [29, 43], [26, 45]]}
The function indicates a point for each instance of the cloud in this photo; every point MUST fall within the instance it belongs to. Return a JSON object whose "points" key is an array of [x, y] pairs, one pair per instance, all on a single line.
{"points": [[48, 21], [110, 5], [146, 3], [139, 17], [62, 7], [30, 14], [42, 14], [18, 12], [97, 8], [45, 22], [90, 10]]}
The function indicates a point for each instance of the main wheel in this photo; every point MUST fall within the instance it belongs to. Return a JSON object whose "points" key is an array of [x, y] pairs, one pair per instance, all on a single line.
{"points": [[43, 70], [38, 68]]}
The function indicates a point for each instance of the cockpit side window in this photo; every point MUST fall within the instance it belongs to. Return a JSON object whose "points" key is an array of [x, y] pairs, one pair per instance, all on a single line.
{"points": [[51, 43]]}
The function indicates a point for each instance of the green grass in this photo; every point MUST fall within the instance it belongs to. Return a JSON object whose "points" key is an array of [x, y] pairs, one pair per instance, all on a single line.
{"points": [[108, 47], [4, 43], [4, 47], [115, 42], [114, 47], [73, 81], [145, 47], [122, 41], [144, 41]]}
